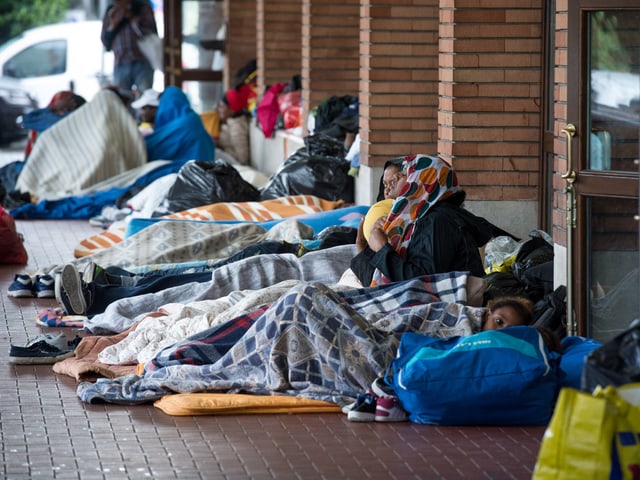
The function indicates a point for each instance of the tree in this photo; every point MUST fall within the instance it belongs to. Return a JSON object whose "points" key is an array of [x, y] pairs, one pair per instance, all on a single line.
{"points": [[16, 16]]}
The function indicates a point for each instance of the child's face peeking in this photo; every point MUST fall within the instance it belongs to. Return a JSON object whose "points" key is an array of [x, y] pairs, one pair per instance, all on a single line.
{"points": [[502, 317]]}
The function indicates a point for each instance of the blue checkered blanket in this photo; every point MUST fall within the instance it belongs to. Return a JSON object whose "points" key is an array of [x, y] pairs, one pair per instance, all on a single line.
{"points": [[314, 342]]}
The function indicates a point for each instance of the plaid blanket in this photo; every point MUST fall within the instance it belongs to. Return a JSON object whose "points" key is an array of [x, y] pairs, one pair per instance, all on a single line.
{"points": [[313, 342]]}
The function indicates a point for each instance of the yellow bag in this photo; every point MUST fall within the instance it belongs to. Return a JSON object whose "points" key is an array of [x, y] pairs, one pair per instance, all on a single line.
{"points": [[592, 436]]}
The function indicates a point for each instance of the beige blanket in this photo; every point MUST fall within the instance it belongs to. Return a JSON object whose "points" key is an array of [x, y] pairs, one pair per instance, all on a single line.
{"points": [[94, 143]]}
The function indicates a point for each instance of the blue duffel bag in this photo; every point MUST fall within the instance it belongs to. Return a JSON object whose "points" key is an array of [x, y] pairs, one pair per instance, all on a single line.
{"points": [[497, 377]]}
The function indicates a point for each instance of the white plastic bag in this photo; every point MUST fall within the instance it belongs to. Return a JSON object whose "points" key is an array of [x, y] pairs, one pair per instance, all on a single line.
{"points": [[151, 47]]}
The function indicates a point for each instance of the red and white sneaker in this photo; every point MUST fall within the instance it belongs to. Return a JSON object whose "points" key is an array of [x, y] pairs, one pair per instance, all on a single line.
{"points": [[388, 409]]}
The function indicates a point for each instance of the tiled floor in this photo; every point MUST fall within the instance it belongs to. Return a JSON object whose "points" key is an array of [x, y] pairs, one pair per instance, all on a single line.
{"points": [[47, 432]]}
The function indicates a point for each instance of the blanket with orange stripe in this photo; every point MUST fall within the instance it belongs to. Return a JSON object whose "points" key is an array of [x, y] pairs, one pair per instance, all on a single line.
{"points": [[264, 211]]}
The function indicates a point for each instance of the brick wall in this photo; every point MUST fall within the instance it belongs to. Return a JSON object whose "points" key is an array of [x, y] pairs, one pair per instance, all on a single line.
{"points": [[490, 96], [241, 35], [279, 39], [398, 79], [330, 50]]}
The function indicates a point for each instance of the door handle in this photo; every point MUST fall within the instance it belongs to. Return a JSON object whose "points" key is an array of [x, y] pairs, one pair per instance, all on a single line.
{"points": [[570, 175]]}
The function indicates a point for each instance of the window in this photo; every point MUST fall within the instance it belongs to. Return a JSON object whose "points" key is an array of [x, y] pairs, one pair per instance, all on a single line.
{"points": [[39, 60]]}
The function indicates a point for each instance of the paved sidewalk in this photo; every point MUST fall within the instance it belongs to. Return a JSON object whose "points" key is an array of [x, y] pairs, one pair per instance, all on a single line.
{"points": [[47, 432]]}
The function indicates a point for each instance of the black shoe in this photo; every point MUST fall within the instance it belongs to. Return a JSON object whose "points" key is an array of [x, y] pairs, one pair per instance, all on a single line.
{"points": [[46, 348], [72, 294]]}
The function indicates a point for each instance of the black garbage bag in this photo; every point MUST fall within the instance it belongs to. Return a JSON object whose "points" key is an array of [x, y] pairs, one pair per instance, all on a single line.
{"points": [[503, 284], [319, 168], [615, 363], [533, 266], [203, 183], [550, 311]]}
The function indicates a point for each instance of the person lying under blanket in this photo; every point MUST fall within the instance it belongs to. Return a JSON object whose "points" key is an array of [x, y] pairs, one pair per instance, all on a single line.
{"points": [[313, 341]]}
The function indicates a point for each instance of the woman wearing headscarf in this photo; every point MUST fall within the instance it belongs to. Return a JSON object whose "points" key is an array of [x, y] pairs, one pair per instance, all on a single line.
{"points": [[427, 230], [178, 131]]}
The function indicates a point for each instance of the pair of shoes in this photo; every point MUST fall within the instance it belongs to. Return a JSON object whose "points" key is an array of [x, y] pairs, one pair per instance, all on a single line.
{"points": [[46, 348], [24, 286], [70, 292], [370, 408]]}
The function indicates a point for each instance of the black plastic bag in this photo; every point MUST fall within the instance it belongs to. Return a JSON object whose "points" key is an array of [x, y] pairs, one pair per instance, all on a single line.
{"points": [[319, 168], [615, 363], [503, 284], [551, 311], [533, 253], [203, 183]]}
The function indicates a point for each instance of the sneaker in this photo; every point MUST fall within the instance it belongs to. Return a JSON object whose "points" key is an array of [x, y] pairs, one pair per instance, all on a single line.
{"points": [[69, 288], [94, 273], [21, 287], [388, 409], [380, 388], [364, 410], [45, 348], [347, 408], [44, 286]]}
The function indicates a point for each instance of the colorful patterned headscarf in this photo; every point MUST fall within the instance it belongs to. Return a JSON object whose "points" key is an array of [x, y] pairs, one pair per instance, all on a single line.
{"points": [[429, 180]]}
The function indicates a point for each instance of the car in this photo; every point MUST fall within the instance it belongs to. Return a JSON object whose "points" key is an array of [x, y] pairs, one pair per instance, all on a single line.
{"points": [[14, 102], [63, 56]]}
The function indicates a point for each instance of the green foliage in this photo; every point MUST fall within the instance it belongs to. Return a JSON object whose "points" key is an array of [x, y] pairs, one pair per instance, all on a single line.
{"points": [[606, 48], [17, 16]]}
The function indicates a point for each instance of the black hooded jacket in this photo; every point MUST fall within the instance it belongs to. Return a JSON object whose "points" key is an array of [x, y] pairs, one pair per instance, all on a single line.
{"points": [[446, 239]]}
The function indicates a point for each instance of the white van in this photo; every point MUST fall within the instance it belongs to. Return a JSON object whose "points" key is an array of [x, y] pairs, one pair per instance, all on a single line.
{"points": [[64, 56]]}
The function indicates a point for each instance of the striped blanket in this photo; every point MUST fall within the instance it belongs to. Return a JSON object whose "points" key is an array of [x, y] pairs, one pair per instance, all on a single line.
{"points": [[313, 342], [284, 207], [94, 143]]}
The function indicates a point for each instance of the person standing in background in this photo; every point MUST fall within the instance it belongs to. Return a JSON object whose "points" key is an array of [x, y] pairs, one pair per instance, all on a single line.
{"points": [[124, 24]]}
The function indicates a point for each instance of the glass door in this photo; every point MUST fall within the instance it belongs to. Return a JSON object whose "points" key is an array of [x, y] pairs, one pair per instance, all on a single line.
{"points": [[603, 173], [194, 49]]}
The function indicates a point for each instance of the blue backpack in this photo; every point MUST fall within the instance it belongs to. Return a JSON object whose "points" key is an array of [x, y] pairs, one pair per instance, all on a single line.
{"points": [[497, 377]]}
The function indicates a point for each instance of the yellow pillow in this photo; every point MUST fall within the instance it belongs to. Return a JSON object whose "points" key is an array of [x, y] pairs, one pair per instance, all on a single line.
{"points": [[377, 210]]}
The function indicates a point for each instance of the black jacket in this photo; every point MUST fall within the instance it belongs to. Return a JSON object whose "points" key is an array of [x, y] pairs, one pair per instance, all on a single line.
{"points": [[446, 239]]}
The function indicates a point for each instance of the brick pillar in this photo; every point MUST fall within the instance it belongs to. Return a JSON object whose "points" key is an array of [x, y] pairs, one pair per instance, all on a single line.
{"points": [[560, 114], [399, 79], [489, 108], [330, 50], [279, 37], [240, 47]]}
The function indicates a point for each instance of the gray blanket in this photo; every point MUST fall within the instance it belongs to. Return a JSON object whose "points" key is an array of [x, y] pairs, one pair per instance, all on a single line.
{"points": [[252, 273]]}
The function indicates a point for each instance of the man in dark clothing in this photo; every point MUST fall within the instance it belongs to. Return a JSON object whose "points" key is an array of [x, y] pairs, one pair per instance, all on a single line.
{"points": [[124, 24]]}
